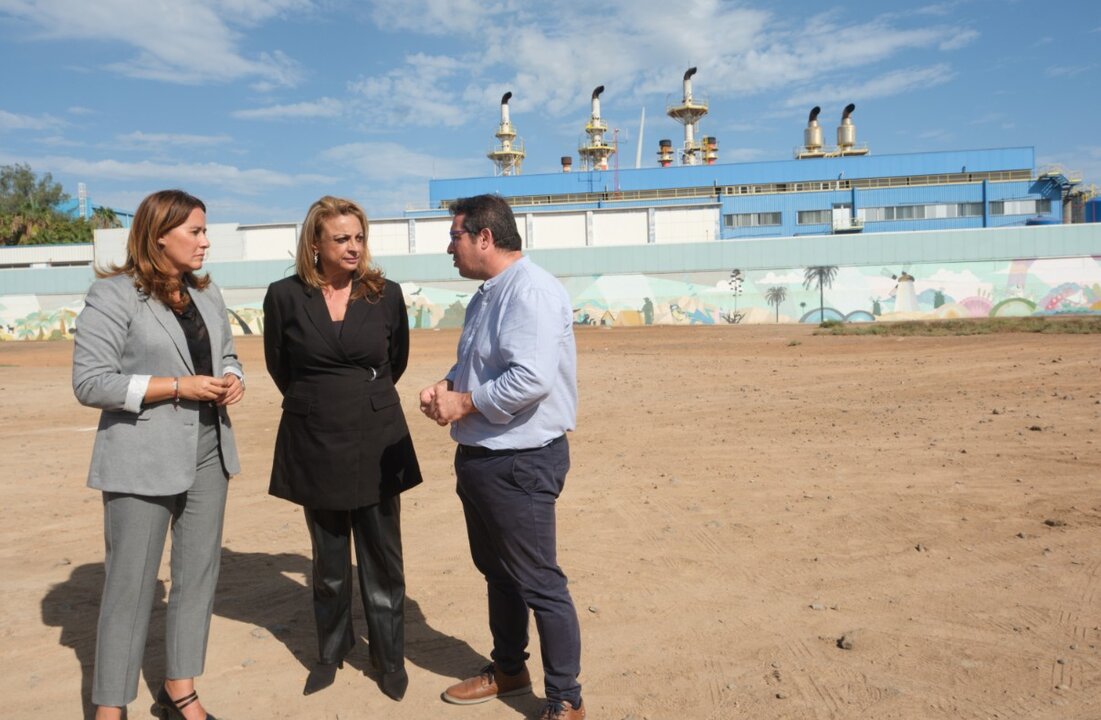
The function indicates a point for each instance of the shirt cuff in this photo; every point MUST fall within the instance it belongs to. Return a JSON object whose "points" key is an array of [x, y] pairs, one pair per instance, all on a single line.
{"points": [[135, 393], [490, 411], [229, 369]]}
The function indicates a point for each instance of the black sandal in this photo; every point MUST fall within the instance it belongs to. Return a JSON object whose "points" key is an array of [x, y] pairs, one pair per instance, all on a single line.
{"points": [[172, 707]]}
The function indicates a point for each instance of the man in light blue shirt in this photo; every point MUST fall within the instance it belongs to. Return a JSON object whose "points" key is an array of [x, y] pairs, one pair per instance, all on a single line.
{"points": [[510, 398]]}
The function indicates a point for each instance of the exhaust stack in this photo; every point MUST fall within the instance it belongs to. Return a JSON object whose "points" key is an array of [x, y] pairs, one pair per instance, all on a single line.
{"points": [[665, 153], [508, 154], [846, 134], [688, 113], [595, 153]]}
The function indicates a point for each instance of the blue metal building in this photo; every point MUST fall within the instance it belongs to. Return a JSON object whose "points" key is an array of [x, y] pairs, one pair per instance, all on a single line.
{"points": [[887, 193]]}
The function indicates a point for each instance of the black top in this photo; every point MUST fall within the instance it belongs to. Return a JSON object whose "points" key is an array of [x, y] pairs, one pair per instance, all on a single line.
{"points": [[198, 340]]}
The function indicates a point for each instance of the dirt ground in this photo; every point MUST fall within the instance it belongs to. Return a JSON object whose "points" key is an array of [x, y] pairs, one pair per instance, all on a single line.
{"points": [[744, 501]]}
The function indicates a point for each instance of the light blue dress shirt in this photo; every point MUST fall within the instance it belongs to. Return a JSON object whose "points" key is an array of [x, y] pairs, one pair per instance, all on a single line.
{"points": [[518, 360]]}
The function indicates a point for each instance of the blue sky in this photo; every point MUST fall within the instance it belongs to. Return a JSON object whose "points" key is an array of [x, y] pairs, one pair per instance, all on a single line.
{"points": [[261, 106]]}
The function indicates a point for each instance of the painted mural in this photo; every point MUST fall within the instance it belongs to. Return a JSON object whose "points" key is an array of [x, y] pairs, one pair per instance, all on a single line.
{"points": [[1038, 287]]}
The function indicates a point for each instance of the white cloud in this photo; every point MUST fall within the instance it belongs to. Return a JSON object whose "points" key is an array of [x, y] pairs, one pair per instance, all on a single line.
{"points": [[244, 181], [789, 278], [188, 43], [893, 83], [637, 47], [59, 141], [140, 139], [1055, 272], [391, 200], [454, 18], [951, 277], [1068, 70], [958, 39], [1084, 162], [323, 108], [393, 162], [12, 121], [416, 94]]}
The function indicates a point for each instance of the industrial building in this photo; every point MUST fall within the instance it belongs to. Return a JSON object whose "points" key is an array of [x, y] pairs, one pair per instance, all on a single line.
{"points": [[690, 196], [835, 232]]}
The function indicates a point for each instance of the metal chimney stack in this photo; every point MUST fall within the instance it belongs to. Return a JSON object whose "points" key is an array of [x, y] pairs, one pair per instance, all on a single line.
{"points": [[846, 134], [508, 155], [688, 113], [595, 153], [665, 153]]}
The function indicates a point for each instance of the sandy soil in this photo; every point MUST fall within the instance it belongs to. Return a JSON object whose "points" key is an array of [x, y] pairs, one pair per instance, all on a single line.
{"points": [[742, 499]]}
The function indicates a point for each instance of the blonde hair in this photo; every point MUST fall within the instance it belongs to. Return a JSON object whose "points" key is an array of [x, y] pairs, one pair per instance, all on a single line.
{"points": [[368, 280], [156, 216]]}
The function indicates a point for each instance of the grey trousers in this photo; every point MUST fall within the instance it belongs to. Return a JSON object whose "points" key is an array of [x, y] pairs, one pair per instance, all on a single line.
{"points": [[134, 529]]}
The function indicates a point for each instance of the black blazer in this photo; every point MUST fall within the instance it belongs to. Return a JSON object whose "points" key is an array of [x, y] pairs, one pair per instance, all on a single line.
{"points": [[342, 441]]}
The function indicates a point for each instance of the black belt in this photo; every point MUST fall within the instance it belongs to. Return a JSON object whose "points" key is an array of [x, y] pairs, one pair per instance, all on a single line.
{"points": [[477, 451]]}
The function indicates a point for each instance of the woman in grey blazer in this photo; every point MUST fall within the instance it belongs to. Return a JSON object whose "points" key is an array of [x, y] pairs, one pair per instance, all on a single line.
{"points": [[154, 352]]}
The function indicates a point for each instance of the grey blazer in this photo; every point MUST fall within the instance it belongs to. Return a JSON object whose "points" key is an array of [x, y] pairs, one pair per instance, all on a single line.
{"points": [[121, 332]]}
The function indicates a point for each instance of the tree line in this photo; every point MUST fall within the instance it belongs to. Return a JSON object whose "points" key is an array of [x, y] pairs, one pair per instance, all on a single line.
{"points": [[29, 212]]}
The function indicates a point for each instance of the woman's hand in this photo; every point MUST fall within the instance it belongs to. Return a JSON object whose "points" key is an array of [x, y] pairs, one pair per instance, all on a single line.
{"points": [[203, 388]]}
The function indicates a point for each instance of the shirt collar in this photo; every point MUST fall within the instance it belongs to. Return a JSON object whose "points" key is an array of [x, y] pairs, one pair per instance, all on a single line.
{"points": [[502, 277]]}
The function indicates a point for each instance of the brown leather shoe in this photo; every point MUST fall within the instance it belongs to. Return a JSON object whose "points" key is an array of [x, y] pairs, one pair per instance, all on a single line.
{"points": [[490, 683], [563, 711]]}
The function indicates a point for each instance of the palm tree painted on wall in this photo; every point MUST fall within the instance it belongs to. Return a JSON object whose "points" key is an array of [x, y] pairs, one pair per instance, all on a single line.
{"points": [[822, 276], [776, 295]]}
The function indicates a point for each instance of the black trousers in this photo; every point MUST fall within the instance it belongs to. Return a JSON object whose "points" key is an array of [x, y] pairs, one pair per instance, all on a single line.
{"points": [[376, 530], [509, 506]]}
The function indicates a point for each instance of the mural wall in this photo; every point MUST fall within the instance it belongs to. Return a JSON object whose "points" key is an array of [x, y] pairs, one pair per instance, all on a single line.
{"points": [[1053, 286]]}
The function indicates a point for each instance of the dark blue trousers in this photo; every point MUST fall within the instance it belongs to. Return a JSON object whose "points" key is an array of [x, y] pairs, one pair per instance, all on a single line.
{"points": [[509, 503]]}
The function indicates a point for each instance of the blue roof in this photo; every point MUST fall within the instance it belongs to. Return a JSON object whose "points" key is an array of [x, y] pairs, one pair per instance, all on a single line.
{"points": [[777, 171]]}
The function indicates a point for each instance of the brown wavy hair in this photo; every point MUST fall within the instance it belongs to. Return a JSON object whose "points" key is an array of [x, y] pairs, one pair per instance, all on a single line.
{"points": [[156, 216], [368, 280]]}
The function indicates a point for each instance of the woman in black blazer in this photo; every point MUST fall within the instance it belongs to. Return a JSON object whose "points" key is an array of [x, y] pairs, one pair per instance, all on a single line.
{"points": [[336, 339]]}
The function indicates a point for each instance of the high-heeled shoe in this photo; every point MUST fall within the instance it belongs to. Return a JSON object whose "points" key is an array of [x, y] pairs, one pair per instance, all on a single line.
{"points": [[171, 709], [394, 684], [321, 676]]}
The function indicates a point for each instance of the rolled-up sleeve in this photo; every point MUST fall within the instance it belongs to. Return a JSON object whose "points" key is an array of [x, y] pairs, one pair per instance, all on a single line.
{"points": [[101, 330], [230, 363]]}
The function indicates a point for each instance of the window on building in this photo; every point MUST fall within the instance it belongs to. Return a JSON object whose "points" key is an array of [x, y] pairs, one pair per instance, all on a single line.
{"points": [[923, 212], [1020, 207], [767, 219], [814, 217]]}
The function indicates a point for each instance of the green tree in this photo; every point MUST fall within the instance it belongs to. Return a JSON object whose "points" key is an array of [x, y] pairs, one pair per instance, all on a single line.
{"points": [[105, 218], [27, 214], [62, 230], [776, 295], [822, 276], [20, 189]]}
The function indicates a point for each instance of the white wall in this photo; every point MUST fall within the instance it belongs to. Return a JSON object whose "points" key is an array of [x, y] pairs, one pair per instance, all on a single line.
{"points": [[686, 225], [432, 235], [45, 255], [559, 231], [229, 241], [266, 242], [620, 228], [388, 237]]}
